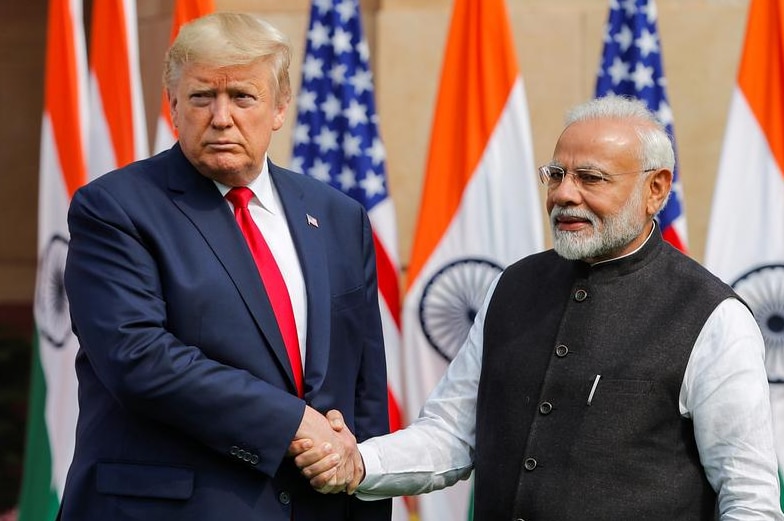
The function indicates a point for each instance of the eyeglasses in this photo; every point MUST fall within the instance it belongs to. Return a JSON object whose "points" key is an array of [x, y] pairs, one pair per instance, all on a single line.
{"points": [[553, 175]]}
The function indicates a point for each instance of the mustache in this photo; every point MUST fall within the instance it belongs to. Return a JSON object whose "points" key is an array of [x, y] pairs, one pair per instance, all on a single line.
{"points": [[574, 213]]}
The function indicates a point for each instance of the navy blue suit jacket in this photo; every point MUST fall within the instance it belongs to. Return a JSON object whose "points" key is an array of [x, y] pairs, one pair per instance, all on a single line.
{"points": [[187, 400]]}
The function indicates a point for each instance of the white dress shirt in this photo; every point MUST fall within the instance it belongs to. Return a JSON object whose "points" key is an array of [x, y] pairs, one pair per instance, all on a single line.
{"points": [[266, 210], [724, 392]]}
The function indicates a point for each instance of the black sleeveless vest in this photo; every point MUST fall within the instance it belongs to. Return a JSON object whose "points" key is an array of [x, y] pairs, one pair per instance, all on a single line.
{"points": [[543, 452]]}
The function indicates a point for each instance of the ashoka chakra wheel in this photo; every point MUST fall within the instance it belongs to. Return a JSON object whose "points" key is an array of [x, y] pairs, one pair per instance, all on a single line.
{"points": [[51, 304], [763, 290], [450, 301]]}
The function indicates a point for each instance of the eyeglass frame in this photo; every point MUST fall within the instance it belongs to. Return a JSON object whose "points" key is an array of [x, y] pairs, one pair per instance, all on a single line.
{"points": [[594, 177]]}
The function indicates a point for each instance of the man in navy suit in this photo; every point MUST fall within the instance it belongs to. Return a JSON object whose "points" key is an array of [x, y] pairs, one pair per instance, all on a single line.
{"points": [[188, 398]]}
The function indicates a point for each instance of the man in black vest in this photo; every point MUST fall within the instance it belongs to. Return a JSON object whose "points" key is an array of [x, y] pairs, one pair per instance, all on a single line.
{"points": [[611, 378]]}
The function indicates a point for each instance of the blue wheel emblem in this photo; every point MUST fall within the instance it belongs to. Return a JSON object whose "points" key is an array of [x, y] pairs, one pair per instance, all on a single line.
{"points": [[450, 301], [763, 290], [51, 303]]}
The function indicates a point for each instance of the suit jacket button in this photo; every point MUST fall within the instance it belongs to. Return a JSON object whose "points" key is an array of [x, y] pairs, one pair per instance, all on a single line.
{"points": [[234, 450], [529, 464], [284, 498], [561, 351], [254, 459], [545, 407], [580, 295]]}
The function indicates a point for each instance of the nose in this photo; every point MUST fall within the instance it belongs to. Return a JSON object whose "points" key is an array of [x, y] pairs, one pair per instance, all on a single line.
{"points": [[565, 193], [221, 112]]}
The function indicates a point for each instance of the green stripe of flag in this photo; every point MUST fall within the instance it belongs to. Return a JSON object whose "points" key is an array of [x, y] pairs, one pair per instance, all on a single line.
{"points": [[38, 500]]}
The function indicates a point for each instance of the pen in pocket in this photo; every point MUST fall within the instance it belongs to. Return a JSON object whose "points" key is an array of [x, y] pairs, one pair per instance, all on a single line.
{"points": [[593, 388]]}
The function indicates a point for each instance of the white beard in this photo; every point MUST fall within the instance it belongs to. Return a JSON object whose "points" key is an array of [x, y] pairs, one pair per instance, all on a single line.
{"points": [[604, 238]]}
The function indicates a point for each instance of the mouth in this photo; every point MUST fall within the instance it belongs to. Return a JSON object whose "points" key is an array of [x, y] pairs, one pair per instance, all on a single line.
{"points": [[221, 146], [566, 222], [571, 223]]}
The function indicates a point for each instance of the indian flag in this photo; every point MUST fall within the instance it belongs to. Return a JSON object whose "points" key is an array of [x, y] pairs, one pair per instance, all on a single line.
{"points": [[111, 114], [118, 130], [480, 207], [184, 12], [746, 236], [63, 168]]}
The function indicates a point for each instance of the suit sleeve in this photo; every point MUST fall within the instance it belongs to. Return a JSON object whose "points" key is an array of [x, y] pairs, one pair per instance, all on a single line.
{"points": [[119, 309], [372, 414]]}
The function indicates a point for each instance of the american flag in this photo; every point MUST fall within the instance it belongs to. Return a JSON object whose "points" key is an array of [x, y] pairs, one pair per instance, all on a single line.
{"points": [[336, 140], [632, 65]]}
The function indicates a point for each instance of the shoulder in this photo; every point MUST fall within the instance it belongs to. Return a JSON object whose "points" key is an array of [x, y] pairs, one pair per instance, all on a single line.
{"points": [[537, 263], [137, 175], [144, 188], [544, 270], [694, 274], [311, 189]]}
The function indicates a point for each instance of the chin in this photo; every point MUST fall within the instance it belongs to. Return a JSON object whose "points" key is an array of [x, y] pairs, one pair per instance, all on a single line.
{"points": [[229, 173], [573, 245]]}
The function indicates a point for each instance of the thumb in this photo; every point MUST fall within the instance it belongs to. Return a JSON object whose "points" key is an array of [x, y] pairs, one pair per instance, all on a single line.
{"points": [[336, 420]]}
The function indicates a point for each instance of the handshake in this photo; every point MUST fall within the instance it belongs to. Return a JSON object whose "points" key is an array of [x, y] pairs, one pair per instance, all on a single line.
{"points": [[326, 453]]}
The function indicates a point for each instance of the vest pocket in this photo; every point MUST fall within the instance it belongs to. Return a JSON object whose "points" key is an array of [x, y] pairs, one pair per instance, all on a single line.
{"points": [[614, 387], [621, 412]]}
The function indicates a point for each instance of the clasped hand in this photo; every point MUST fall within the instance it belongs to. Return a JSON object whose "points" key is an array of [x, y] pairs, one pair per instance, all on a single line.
{"points": [[326, 453]]}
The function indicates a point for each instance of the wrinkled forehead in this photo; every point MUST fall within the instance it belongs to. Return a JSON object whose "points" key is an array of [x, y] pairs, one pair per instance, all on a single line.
{"points": [[207, 72], [597, 142]]}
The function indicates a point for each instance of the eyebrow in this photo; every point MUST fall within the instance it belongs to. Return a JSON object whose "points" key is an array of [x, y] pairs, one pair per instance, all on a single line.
{"points": [[583, 166]]}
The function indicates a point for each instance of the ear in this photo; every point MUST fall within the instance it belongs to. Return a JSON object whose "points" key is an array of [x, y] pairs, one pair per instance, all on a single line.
{"points": [[173, 113], [280, 115], [659, 186]]}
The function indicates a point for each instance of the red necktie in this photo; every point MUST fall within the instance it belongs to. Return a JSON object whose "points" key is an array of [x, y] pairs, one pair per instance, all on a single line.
{"points": [[271, 278]]}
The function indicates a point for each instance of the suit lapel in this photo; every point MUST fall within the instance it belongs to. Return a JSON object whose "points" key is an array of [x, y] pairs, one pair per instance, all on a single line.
{"points": [[200, 200], [308, 239]]}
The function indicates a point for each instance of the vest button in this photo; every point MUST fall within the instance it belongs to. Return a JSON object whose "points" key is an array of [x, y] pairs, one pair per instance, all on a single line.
{"points": [[561, 351], [545, 407], [580, 295], [284, 498], [529, 464]]}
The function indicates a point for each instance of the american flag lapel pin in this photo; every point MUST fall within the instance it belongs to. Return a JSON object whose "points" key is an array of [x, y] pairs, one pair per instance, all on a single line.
{"points": [[312, 221]]}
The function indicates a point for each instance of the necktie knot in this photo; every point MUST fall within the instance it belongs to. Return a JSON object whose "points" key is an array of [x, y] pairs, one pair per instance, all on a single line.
{"points": [[239, 196]]}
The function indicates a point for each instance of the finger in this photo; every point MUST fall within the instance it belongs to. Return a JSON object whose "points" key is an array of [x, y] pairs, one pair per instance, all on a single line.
{"points": [[359, 475], [330, 465], [337, 483], [299, 446], [336, 420], [322, 482], [331, 490], [314, 455], [327, 482]]}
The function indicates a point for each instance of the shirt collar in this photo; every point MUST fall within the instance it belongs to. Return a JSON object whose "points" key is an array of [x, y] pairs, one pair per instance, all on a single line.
{"points": [[262, 187], [650, 234]]}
